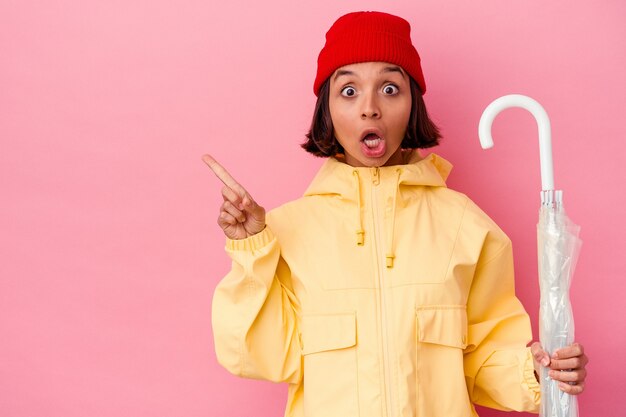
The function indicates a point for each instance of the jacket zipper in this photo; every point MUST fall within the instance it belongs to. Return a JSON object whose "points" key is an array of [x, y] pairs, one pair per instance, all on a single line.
{"points": [[382, 294]]}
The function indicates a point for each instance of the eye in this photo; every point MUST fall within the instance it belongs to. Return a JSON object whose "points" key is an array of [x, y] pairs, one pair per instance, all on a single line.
{"points": [[348, 91], [390, 89]]}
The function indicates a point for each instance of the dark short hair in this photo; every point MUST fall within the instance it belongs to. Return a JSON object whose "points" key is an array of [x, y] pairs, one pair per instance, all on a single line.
{"points": [[421, 132]]}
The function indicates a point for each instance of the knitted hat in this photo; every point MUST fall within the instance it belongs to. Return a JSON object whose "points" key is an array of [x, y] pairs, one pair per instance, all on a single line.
{"points": [[368, 36]]}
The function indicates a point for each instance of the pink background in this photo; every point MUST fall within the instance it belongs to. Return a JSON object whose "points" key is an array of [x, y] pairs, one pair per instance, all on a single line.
{"points": [[109, 243]]}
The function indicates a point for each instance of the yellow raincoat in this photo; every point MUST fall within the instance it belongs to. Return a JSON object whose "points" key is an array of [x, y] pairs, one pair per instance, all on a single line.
{"points": [[379, 293]]}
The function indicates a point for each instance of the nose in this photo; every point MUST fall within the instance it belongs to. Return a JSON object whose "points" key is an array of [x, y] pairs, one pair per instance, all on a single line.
{"points": [[370, 108]]}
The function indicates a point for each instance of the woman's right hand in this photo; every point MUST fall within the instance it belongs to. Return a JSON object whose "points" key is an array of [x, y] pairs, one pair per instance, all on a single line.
{"points": [[240, 216]]}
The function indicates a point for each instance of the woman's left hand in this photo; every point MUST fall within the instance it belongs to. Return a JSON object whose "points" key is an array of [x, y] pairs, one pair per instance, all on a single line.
{"points": [[567, 365]]}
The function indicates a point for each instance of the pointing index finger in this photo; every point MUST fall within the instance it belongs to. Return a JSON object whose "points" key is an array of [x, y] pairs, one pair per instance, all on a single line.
{"points": [[220, 172]]}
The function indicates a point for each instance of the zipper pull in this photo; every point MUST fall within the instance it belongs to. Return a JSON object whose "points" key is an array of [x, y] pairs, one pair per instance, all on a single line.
{"points": [[376, 176]]}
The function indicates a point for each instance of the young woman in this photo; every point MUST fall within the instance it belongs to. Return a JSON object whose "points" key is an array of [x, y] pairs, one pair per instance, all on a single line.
{"points": [[380, 292]]}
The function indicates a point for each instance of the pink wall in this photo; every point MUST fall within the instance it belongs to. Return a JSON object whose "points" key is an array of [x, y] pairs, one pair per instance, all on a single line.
{"points": [[109, 244]]}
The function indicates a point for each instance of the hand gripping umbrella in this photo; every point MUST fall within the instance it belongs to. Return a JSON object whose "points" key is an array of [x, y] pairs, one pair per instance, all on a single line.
{"points": [[558, 246]]}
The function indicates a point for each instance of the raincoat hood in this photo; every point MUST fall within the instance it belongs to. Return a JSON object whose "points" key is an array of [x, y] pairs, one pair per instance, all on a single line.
{"points": [[335, 176]]}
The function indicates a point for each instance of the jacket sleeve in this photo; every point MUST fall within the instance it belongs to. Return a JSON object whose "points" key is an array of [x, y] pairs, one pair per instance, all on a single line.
{"points": [[498, 365], [254, 313]]}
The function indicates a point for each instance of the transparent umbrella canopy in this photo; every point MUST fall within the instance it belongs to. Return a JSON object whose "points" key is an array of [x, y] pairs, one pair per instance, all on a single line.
{"points": [[558, 246]]}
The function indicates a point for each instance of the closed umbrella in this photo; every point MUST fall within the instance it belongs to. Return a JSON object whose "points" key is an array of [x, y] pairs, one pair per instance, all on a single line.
{"points": [[558, 246]]}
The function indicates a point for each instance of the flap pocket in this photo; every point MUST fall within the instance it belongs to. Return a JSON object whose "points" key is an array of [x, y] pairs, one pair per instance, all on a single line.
{"points": [[443, 325], [322, 332]]}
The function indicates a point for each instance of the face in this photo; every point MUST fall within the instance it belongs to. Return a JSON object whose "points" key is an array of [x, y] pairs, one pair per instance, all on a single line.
{"points": [[370, 106]]}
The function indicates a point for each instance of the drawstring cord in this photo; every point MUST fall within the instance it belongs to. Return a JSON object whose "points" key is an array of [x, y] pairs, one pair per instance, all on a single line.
{"points": [[360, 233], [390, 255]]}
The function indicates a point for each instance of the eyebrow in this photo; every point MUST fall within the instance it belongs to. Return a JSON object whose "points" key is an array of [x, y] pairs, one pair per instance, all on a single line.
{"points": [[343, 72], [383, 71], [393, 69]]}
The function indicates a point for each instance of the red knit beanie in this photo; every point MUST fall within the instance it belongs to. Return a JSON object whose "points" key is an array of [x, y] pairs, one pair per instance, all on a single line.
{"points": [[368, 36]]}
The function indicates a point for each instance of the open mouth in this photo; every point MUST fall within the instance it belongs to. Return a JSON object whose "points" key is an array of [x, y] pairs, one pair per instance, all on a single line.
{"points": [[373, 144], [372, 140]]}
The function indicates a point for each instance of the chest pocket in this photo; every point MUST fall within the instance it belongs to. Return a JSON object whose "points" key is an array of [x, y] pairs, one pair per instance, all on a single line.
{"points": [[330, 365], [441, 336], [444, 325]]}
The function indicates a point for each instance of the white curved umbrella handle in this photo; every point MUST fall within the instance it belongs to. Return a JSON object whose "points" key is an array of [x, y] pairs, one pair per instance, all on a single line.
{"points": [[543, 124]]}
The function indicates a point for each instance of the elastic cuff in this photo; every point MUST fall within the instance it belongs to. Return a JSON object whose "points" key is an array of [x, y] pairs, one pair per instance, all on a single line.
{"points": [[254, 242], [529, 380]]}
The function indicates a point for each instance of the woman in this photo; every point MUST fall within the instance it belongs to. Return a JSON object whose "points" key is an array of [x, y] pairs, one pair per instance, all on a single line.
{"points": [[380, 292]]}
